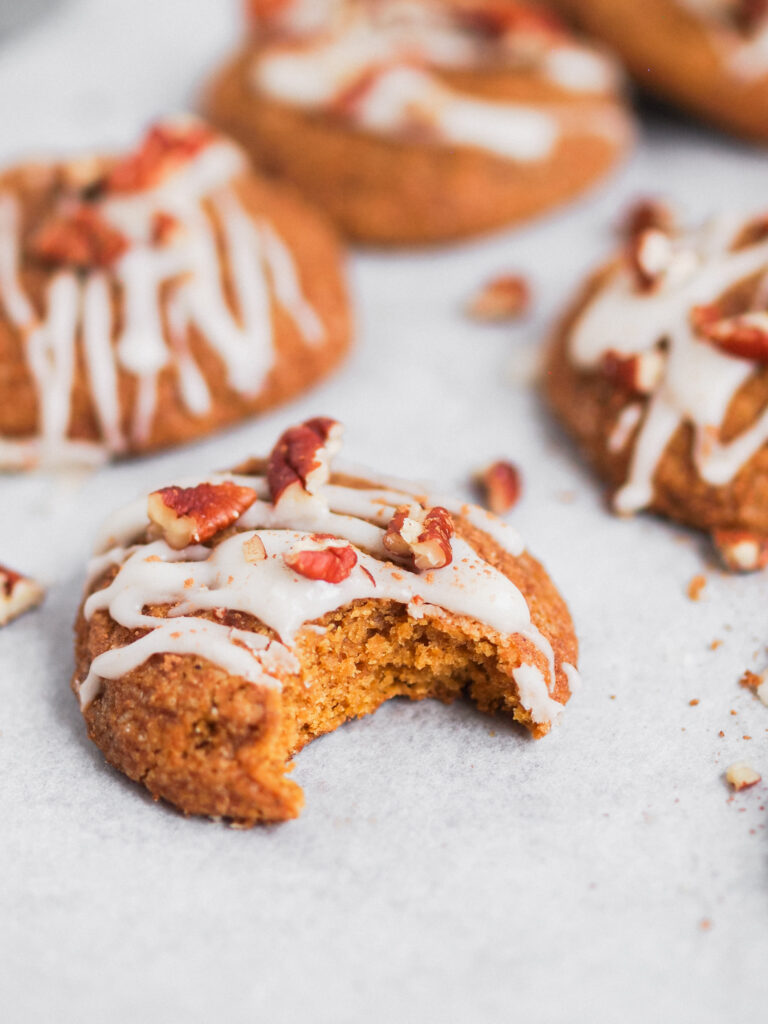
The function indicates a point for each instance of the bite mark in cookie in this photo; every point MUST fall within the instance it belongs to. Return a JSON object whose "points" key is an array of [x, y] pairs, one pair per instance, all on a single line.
{"points": [[299, 613]]}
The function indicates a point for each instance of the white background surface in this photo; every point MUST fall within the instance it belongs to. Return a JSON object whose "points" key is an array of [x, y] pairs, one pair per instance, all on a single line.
{"points": [[445, 868]]}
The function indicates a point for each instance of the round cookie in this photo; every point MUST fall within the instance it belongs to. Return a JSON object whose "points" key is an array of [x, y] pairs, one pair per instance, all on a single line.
{"points": [[708, 56], [228, 622], [660, 372], [419, 121], [150, 299]]}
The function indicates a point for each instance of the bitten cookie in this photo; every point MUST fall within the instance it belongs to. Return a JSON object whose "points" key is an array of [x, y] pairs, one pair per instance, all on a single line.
{"points": [[709, 56], [660, 373], [151, 299], [229, 622], [417, 121]]}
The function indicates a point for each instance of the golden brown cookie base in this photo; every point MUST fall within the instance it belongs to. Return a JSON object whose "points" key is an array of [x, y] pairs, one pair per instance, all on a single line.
{"points": [[217, 745], [298, 365], [393, 193], [672, 54], [589, 406]]}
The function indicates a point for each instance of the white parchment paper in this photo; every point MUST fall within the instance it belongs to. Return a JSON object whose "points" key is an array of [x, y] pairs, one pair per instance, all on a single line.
{"points": [[446, 868]]}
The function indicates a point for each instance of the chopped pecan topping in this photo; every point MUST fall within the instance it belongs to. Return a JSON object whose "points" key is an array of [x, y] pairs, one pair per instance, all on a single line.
{"points": [[331, 564], [423, 537], [639, 374], [192, 515], [741, 550], [647, 214], [164, 149], [18, 594], [164, 227], [757, 683], [741, 775], [254, 550], [264, 11], [78, 237], [505, 297], [744, 336], [749, 14], [503, 17], [301, 459], [348, 99], [650, 254], [501, 485]]}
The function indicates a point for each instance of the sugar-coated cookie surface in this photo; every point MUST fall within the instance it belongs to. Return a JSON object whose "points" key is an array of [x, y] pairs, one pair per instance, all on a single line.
{"points": [[229, 621], [710, 56], [661, 373], [152, 298], [422, 120]]}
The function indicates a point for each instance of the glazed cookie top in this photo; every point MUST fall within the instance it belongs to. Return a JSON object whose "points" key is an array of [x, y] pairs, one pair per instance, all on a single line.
{"points": [[739, 29], [287, 542], [680, 322], [123, 257], [384, 68]]}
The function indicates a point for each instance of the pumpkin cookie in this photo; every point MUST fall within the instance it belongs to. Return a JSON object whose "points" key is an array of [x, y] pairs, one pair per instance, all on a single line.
{"points": [[228, 622], [418, 121], [153, 298], [708, 56], [660, 371]]}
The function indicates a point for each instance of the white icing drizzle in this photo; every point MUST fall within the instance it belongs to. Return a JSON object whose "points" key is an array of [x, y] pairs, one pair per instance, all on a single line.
{"points": [[154, 333], [628, 419], [198, 579], [388, 56], [699, 381]]}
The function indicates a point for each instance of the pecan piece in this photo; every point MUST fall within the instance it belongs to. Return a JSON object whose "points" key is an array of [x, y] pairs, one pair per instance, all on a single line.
{"points": [[744, 336], [650, 255], [331, 564], [741, 550], [423, 537], [192, 515], [78, 237], [502, 17], [749, 14], [301, 459], [18, 594], [646, 214], [505, 297], [254, 550], [501, 485], [163, 150], [741, 775], [639, 374]]}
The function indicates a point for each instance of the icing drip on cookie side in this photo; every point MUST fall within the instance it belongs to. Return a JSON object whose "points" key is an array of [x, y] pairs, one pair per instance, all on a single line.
{"points": [[699, 380], [377, 67], [166, 288], [197, 579]]}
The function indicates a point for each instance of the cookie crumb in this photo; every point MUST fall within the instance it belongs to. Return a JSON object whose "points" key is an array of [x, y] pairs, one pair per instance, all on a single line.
{"points": [[696, 586], [742, 775], [505, 297], [757, 683], [18, 594]]}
